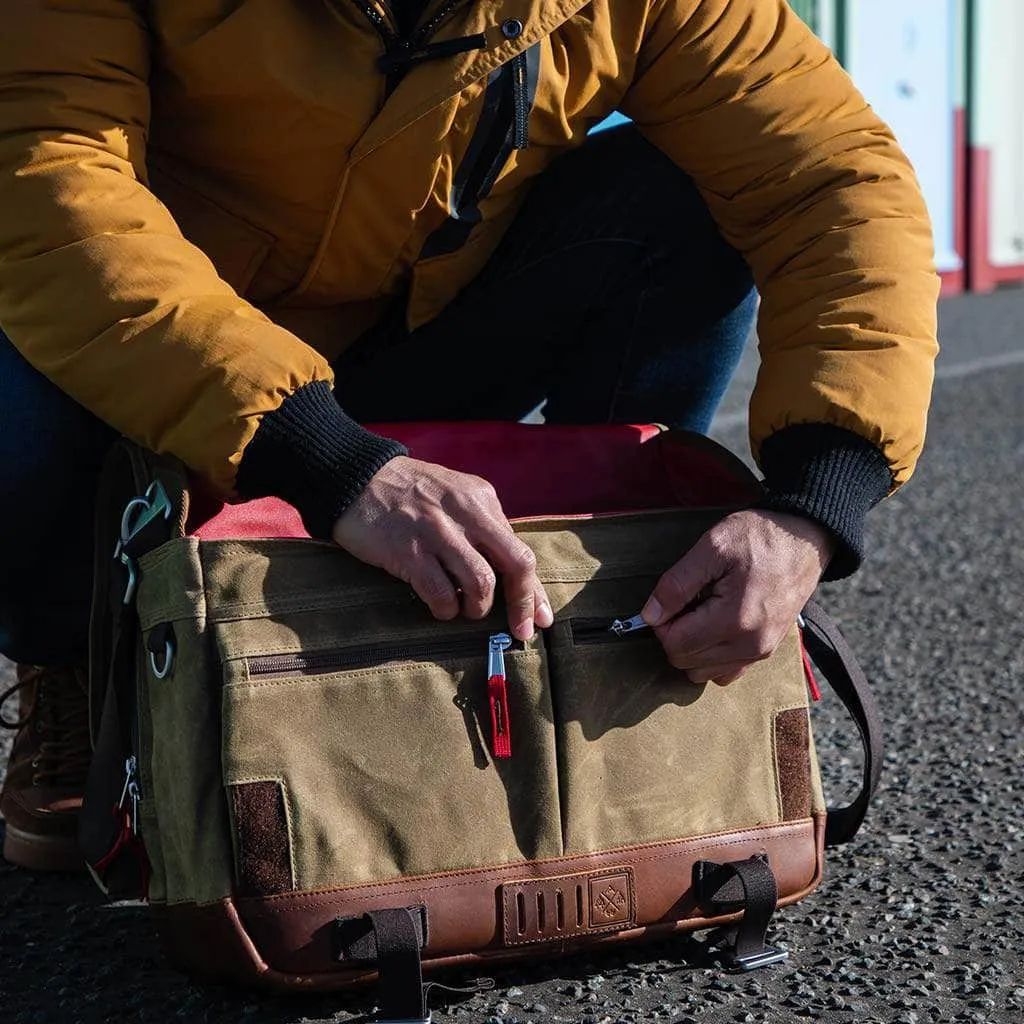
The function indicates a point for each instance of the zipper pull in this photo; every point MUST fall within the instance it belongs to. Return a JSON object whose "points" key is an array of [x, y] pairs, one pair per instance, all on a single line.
{"points": [[130, 793], [497, 693], [622, 626], [812, 683], [127, 837]]}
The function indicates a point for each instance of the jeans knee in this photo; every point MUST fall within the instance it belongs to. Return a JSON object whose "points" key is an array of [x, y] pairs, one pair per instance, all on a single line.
{"points": [[49, 442]]}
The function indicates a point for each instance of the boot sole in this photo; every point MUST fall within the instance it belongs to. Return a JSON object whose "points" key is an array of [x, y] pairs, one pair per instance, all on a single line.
{"points": [[41, 853]]}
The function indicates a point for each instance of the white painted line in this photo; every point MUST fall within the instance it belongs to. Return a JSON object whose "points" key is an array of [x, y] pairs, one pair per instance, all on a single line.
{"points": [[943, 371], [973, 366]]}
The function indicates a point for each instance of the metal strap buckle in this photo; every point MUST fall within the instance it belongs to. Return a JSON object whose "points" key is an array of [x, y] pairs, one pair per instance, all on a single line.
{"points": [[137, 515], [754, 961]]}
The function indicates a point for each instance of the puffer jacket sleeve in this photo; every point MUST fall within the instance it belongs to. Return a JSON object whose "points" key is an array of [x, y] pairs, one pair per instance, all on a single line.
{"points": [[98, 287], [806, 181]]}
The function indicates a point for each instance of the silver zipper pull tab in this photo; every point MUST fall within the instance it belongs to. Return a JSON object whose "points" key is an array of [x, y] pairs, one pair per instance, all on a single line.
{"points": [[133, 795], [130, 791], [498, 644], [622, 626]]}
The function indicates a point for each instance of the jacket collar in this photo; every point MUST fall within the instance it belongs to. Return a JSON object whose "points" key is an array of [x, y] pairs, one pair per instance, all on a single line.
{"points": [[431, 84]]}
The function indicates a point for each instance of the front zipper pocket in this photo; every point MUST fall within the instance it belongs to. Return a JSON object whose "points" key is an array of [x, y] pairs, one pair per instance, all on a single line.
{"points": [[339, 659], [491, 647], [603, 630], [365, 758], [646, 756]]}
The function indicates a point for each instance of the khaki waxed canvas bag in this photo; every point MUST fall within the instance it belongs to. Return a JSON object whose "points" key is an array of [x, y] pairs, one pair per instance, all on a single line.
{"points": [[315, 783]]}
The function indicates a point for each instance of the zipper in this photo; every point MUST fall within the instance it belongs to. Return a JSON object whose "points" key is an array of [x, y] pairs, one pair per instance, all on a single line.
{"points": [[429, 28], [385, 30], [521, 101], [403, 51], [130, 793], [369, 655], [340, 659], [126, 815], [603, 631]]}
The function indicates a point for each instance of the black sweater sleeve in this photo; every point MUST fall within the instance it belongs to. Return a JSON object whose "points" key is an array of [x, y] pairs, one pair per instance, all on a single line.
{"points": [[308, 452], [830, 475]]}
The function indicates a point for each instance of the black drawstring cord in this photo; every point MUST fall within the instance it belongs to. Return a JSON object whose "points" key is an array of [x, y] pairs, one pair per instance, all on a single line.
{"points": [[405, 55]]}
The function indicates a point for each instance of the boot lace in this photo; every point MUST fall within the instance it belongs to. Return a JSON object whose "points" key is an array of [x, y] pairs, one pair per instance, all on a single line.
{"points": [[58, 711]]}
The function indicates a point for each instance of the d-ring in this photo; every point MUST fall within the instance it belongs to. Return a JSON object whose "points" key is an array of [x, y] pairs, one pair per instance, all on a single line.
{"points": [[162, 671]]}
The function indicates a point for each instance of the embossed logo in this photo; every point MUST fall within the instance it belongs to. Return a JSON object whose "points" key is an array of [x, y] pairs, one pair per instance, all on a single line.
{"points": [[610, 902], [609, 899]]}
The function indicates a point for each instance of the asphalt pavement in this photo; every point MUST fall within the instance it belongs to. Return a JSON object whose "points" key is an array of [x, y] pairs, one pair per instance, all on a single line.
{"points": [[920, 919]]}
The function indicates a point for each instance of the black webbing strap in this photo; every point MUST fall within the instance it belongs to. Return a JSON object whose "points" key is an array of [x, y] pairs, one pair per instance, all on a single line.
{"points": [[748, 885], [391, 940], [831, 653]]}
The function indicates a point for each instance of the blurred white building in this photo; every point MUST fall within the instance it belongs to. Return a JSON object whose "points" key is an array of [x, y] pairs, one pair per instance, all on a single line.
{"points": [[948, 76]]}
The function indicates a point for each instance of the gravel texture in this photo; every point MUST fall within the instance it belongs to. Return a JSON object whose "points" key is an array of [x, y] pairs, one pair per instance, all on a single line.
{"points": [[921, 919]]}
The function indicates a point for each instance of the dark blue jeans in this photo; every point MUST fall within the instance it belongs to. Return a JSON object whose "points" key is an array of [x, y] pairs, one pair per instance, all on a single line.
{"points": [[613, 297]]}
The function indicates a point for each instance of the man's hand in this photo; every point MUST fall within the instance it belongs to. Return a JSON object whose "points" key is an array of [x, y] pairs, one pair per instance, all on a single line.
{"points": [[438, 530], [746, 579]]}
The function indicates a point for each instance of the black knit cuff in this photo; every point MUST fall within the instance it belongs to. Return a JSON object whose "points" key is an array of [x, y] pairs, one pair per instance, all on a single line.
{"points": [[830, 475], [311, 454]]}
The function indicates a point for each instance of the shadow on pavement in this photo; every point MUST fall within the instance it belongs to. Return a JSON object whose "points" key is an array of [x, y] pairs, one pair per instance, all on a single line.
{"points": [[71, 956]]}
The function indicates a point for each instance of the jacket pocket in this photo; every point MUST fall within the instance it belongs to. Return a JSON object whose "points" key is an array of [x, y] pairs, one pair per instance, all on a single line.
{"points": [[647, 756], [235, 247], [371, 756]]}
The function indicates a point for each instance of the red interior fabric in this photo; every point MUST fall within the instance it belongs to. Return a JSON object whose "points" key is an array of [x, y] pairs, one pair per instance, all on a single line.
{"points": [[537, 470]]}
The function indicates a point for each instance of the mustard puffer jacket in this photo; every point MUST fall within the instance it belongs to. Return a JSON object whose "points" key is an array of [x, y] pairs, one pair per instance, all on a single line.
{"points": [[203, 201]]}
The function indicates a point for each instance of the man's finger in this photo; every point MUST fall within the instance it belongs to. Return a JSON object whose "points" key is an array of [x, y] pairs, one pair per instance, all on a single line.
{"points": [[698, 637], [517, 566], [681, 585], [434, 587], [474, 575], [542, 613], [720, 675]]}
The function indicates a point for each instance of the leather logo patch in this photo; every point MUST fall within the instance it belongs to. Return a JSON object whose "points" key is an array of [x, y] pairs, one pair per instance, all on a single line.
{"points": [[564, 906], [610, 901]]}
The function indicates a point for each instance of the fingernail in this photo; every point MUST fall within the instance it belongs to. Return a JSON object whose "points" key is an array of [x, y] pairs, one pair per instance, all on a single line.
{"points": [[545, 616], [524, 631], [653, 613]]}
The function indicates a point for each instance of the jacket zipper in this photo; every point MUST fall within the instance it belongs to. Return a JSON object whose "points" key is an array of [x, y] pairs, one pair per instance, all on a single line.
{"points": [[402, 52], [427, 30], [386, 31], [521, 101]]}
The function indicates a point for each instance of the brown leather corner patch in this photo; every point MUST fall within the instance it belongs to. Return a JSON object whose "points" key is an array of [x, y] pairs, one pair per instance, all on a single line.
{"points": [[563, 907], [262, 843], [793, 762]]}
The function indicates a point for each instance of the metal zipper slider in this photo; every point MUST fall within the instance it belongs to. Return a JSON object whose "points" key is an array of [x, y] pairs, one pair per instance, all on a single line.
{"points": [[622, 626], [130, 792], [497, 694]]}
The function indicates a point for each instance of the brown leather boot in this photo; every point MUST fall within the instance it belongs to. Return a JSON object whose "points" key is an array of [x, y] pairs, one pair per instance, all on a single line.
{"points": [[45, 780]]}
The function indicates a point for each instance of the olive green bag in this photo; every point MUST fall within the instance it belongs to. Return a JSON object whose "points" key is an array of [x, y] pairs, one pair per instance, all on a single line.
{"points": [[315, 783]]}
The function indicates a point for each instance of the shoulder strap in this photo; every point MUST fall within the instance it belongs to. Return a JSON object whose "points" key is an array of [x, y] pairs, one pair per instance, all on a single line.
{"points": [[140, 502], [832, 654]]}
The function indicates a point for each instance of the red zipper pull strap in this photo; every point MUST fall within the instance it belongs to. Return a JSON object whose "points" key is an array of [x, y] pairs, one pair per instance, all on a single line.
{"points": [[497, 694], [812, 683]]}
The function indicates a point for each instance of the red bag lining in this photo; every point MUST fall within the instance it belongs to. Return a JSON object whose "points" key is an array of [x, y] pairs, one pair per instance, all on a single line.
{"points": [[537, 470]]}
